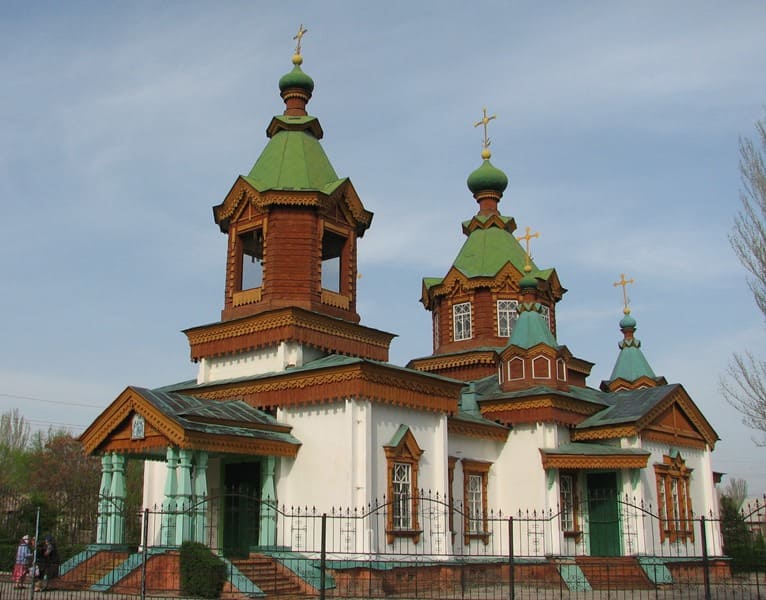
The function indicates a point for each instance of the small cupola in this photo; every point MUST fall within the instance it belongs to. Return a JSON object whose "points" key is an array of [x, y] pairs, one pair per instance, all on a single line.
{"points": [[631, 370], [487, 183]]}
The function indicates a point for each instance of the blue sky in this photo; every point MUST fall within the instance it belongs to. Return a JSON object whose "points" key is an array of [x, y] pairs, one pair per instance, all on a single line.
{"points": [[121, 124]]}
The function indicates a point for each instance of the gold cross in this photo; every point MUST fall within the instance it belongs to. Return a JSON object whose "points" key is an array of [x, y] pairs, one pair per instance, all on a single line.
{"points": [[298, 36], [526, 237], [485, 121], [624, 283]]}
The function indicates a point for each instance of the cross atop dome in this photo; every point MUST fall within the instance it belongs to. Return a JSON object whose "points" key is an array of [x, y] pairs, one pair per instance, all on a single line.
{"points": [[485, 153]]}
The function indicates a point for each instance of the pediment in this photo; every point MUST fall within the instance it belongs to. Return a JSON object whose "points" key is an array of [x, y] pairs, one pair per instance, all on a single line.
{"points": [[344, 205], [680, 423], [113, 430]]}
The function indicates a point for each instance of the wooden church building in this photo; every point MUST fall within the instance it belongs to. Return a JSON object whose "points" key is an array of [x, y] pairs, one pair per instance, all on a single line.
{"points": [[295, 399]]}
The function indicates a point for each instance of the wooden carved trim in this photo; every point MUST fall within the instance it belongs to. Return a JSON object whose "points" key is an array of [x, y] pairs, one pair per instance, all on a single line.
{"points": [[477, 430], [408, 452], [434, 363], [582, 461], [334, 299], [250, 296]]}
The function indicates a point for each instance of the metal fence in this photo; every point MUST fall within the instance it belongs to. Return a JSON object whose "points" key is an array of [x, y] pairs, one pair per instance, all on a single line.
{"points": [[437, 551]]}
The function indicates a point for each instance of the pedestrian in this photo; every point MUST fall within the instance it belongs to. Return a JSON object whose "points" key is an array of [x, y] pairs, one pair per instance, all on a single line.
{"points": [[24, 556], [48, 563]]}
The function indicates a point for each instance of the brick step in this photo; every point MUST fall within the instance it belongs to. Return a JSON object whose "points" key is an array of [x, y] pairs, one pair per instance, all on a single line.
{"points": [[269, 576], [615, 573]]}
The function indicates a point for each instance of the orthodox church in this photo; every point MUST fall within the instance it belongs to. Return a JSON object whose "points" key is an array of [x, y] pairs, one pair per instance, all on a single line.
{"points": [[295, 398]]}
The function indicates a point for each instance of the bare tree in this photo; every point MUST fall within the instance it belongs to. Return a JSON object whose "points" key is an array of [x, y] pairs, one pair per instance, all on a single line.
{"points": [[14, 430], [736, 491], [744, 385]]}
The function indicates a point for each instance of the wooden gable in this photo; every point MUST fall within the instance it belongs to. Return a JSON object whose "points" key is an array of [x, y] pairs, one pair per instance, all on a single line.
{"points": [[674, 426], [112, 431]]}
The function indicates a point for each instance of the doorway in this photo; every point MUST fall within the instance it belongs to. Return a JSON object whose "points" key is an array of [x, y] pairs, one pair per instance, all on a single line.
{"points": [[241, 515], [603, 514]]}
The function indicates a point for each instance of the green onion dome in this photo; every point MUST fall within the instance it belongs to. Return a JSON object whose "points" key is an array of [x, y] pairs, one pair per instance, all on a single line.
{"points": [[627, 322], [487, 177], [296, 79]]}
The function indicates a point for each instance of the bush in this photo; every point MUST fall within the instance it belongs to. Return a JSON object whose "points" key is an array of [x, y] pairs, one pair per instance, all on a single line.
{"points": [[202, 573]]}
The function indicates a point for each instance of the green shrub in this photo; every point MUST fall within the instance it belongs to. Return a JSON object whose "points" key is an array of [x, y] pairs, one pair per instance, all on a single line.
{"points": [[202, 573]]}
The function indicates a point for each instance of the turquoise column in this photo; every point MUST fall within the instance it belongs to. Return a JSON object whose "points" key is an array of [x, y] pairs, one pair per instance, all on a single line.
{"points": [[118, 494], [168, 537], [183, 498], [200, 494], [267, 532], [104, 504]]}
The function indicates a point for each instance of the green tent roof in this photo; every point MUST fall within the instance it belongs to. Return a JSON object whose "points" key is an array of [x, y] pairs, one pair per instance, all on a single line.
{"points": [[486, 251], [293, 160], [531, 329], [631, 365]]}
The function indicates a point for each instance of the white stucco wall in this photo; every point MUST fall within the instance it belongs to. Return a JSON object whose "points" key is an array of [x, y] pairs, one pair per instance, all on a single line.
{"points": [[273, 359]]}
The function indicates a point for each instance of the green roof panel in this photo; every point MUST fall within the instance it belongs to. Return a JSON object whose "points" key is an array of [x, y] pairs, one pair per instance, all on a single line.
{"points": [[293, 160]]}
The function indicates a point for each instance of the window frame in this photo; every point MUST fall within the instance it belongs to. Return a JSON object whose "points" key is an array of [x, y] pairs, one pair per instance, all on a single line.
{"points": [[405, 452], [510, 321], [674, 500], [465, 320], [474, 470], [570, 506]]}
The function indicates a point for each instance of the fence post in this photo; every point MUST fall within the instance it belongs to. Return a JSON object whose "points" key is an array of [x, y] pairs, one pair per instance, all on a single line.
{"points": [[323, 558], [144, 551], [705, 561], [511, 573], [34, 555]]}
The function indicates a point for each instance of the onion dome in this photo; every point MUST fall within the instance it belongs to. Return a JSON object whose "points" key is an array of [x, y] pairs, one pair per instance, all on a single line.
{"points": [[627, 322], [296, 79], [487, 178]]}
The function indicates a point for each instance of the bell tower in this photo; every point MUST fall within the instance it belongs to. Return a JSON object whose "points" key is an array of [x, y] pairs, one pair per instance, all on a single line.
{"points": [[291, 265]]}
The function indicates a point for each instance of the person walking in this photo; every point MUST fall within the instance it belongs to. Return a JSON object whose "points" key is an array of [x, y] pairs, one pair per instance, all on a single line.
{"points": [[24, 557]]}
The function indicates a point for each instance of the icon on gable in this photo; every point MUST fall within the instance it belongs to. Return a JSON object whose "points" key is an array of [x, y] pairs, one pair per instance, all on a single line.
{"points": [[137, 428]]}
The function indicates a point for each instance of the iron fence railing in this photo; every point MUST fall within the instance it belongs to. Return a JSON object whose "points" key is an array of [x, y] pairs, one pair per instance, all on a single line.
{"points": [[438, 550]]}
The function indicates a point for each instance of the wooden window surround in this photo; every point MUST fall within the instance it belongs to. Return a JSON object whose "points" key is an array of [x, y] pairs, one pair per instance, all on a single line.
{"points": [[403, 461], [475, 475], [569, 504], [452, 461], [674, 501], [461, 321], [507, 314]]}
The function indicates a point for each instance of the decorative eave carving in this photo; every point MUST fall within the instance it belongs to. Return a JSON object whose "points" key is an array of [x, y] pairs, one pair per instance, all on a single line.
{"points": [[243, 192], [583, 461], [363, 380], [547, 409], [290, 323], [477, 430], [436, 363]]}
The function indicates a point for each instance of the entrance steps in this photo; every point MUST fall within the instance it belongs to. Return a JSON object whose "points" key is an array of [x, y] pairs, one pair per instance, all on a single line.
{"points": [[614, 572], [271, 576]]}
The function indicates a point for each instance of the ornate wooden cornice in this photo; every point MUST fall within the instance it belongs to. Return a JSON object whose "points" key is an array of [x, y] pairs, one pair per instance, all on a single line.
{"points": [[436, 363], [363, 380], [242, 192], [477, 430], [584, 461], [548, 409], [294, 324]]}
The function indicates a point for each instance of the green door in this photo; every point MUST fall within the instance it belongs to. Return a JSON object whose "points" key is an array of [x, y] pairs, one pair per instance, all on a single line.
{"points": [[603, 514], [241, 515]]}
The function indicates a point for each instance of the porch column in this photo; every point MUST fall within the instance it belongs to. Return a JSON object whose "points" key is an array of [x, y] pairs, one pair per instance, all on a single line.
{"points": [[183, 498], [117, 493], [168, 536], [267, 532], [104, 504], [200, 493]]}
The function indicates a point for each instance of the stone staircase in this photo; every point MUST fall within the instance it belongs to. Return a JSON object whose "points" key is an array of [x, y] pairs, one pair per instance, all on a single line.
{"points": [[614, 573], [270, 576], [92, 570]]}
